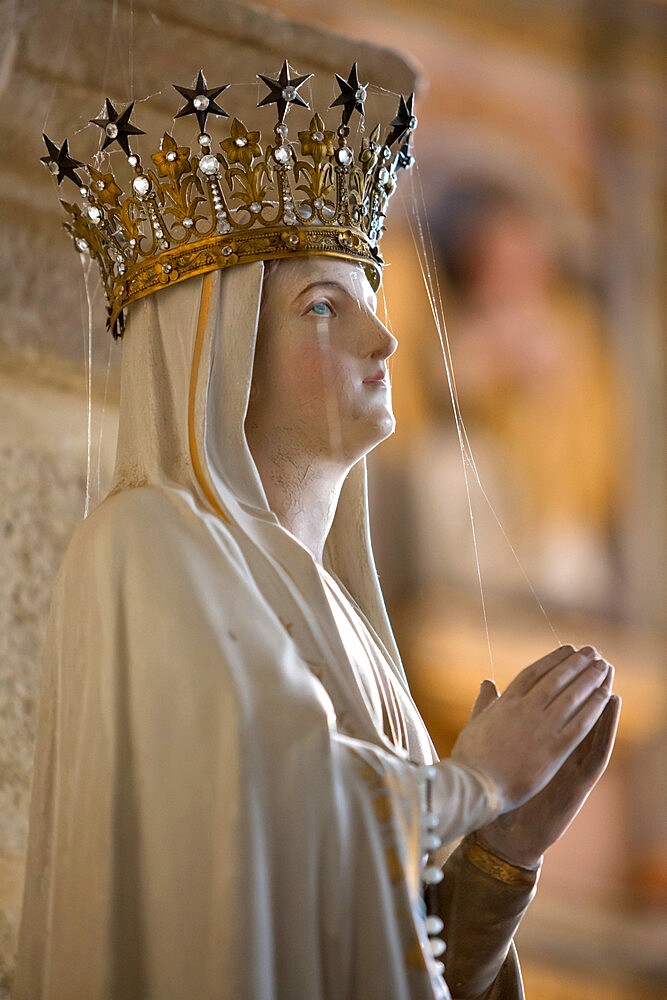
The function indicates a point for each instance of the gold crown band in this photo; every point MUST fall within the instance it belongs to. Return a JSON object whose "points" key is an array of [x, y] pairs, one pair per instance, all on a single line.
{"points": [[223, 251]]}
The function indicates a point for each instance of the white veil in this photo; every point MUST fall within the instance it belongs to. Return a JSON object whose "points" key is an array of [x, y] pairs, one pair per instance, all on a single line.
{"points": [[187, 371], [215, 813]]}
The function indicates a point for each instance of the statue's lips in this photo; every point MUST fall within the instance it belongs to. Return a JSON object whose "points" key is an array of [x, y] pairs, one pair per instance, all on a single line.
{"points": [[379, 379]]}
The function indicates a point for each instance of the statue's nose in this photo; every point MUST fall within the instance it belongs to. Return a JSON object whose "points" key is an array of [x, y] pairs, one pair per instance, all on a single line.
{"points": [[385, 343]]}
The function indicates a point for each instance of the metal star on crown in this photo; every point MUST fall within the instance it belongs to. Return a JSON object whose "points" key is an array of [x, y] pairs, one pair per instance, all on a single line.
{"points": [[60, 162], [117, 128], [200, 101], [192, 212], [404, 121], [352, 95], [283, 91]]}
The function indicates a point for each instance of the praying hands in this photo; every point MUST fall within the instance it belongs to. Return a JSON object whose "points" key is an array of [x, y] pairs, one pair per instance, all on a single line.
{"points": [[522, 835], [566, 697]]}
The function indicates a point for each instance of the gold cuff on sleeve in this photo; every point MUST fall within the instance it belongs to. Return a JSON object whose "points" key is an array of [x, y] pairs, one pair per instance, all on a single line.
{"points": [[498, 868]]}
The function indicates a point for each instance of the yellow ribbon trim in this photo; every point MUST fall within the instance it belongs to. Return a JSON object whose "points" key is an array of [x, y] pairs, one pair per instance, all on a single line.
{"points": [[194, 374]]}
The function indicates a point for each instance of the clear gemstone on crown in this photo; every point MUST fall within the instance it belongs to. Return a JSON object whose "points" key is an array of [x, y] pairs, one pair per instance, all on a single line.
{"points": [[111, 130], [209, 164], [201, 102], [141, 185]]}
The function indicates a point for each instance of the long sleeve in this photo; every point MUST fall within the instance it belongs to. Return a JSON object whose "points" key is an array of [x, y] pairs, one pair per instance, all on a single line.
{"points": [[481, 914]]}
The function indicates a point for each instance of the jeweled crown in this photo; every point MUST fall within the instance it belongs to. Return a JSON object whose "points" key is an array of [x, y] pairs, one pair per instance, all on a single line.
{"points": [[194, 213]]}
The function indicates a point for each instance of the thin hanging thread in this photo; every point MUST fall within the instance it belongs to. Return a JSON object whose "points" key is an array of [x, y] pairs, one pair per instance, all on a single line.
{"points": [[130, 57], [88, 334], [63, 52], [99, 159], [86, 264], [457, 417], [113, 29], [387, 323], [432, 290], [104, 407], [463, 428]]}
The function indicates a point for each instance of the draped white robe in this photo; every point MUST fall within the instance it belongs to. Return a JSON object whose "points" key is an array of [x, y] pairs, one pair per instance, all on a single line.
{"points": [[226, 801]]}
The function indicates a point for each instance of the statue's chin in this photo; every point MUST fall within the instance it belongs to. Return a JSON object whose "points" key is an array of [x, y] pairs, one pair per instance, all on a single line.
{"points": [[376, 431], [387, 426]]}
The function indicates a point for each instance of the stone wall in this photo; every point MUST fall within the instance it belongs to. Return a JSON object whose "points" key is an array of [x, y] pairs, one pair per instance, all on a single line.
{"points": [[43, 465]]}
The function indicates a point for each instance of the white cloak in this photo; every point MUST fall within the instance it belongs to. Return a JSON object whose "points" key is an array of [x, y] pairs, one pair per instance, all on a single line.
{"points": [[217, 810]]}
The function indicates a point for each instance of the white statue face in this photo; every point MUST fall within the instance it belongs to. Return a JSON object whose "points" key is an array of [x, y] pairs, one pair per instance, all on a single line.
{"points": [[319, 337]]}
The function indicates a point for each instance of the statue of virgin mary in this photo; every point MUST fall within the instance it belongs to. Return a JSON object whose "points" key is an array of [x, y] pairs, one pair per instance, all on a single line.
{"points": [[235, 796]]}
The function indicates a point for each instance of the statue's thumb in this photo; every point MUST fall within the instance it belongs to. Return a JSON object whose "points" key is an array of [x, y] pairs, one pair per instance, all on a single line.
{"points": [[488, 693]]}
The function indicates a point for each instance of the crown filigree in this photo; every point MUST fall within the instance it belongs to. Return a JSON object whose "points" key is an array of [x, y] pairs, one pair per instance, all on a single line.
{"points": [[194, 212]]}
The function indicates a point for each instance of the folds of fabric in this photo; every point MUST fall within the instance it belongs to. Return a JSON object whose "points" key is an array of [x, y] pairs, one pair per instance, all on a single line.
{"points": [[199, 826], [216, 811]]}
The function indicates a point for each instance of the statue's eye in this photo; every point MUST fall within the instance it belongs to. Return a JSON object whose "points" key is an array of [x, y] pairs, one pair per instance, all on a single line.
{"points": [[317, 306]]}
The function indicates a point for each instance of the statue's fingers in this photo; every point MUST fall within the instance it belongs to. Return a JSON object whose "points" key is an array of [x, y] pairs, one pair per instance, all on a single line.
{"points": [[568, 674], [593, 762], [607, 726], [592, 748], [586, 714], [488, 693], [531, 674]]}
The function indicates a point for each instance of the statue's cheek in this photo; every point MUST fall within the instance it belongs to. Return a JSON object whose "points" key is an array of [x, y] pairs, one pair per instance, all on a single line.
{"points": [[314, 365]]}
